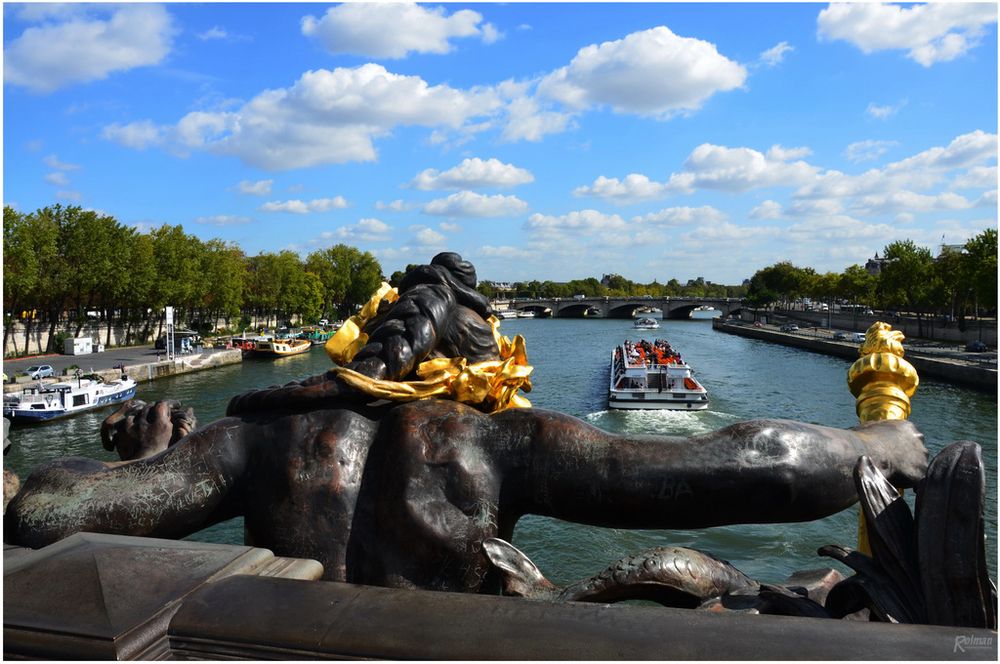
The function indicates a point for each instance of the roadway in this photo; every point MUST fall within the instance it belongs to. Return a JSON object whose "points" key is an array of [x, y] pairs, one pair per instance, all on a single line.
{"points": [[126, 355]]}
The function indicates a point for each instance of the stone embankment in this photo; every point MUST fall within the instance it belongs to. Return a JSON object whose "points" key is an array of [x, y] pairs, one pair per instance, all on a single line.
{"points": [[978, 370]]}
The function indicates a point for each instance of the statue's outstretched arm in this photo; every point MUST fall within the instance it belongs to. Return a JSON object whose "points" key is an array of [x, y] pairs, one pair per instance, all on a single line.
{"points": [[761, 471], [173, 494]]}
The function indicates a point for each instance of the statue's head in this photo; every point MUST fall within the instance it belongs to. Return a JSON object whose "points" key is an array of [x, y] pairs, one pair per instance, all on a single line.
{"points": [[462, 270]]}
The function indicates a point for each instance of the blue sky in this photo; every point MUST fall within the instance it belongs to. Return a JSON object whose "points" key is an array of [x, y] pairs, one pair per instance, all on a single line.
{"points": [[541, 141]]}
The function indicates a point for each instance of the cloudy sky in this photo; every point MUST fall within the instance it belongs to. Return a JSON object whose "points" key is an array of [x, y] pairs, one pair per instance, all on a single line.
{"points": [[553, 141]]}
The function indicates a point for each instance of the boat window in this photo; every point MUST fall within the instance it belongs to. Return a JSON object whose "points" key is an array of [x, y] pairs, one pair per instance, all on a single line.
{"points": [[79, 399]]}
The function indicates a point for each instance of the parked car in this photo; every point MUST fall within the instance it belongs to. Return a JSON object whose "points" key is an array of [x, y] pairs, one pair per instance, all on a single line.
{"points": [[789, 327], [975, 346], [840, 336], [858, 337], [40, 371]]}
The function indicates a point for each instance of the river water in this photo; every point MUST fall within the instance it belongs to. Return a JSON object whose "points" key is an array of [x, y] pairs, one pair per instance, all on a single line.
{"points": [[745, 378]]}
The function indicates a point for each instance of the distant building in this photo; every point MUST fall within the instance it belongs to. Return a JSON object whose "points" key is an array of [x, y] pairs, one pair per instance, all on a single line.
{"points": [[874, 265], [952, 249]]}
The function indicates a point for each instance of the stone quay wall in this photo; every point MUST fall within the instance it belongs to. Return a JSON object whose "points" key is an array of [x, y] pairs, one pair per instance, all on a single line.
{"points": [[977, 375]]}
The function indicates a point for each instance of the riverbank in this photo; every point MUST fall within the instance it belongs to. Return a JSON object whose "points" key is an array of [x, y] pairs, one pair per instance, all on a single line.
{"points": [[143, 363], [975, 370]]}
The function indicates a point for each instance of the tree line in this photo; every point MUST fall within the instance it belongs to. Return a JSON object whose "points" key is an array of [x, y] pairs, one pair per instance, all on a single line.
{"points": [[613, 285], [60, 263], [960, 283]]}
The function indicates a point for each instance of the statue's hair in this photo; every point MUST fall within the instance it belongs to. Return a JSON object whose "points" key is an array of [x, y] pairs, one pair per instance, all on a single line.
{"points": [[439, 314]]}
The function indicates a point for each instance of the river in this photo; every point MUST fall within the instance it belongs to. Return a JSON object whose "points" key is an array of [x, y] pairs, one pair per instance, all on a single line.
{"points": [[746, 378]]}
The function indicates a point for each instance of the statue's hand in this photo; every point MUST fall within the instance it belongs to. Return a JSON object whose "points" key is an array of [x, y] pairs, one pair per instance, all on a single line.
{"points": [[137, 430], [897, 448]]}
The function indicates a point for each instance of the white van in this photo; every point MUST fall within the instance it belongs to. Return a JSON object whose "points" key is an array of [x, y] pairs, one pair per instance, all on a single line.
{"points": [[858, 337]]}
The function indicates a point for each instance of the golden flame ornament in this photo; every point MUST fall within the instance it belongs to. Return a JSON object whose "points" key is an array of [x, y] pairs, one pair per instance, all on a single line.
{"points": [[882, 383]]}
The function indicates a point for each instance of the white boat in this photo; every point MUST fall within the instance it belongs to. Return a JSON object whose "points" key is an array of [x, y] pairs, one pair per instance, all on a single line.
{"points": [[645, 323], [652, 376], [508, 313], [48, 401], [525, 314]]}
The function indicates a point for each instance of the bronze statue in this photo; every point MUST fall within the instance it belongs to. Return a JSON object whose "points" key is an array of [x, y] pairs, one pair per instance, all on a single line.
{"points": [[355, 469]]}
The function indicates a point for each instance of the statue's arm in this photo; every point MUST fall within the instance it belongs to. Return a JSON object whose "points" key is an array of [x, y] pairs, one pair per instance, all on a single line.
{"points": [[188, 487], [761, 471]]}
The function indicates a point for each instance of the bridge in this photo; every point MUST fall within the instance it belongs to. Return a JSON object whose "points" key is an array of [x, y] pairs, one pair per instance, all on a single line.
{"points": [[621, 307]]}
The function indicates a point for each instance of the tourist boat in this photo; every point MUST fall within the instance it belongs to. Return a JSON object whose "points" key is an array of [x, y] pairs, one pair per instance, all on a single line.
{"points": [[653, 376], [49, 401], [646, 323], [275, 347], [509, 313], [525, 314]]}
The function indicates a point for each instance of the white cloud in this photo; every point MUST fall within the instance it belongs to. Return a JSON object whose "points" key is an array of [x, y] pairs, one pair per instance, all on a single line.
{"points": [[68, 195], [258, 188], [450, 228], [868, 150], [882, 112], [682, 216], [215, 32], [52, 161], [223, 220], [394, 30], [303, 207], [471, 174], [428, 237], [528, 120], [398, 205], [730, 233], [578, 221], [506, 251], [781, 153], [774, 55], [490, 34], [367, 230], [964, 151], [930, 33], [634, 188], [653, 72], [988, 199], [767, 210], [471, 204], [58, 178], [976, 177], [739, 169], [136, 135], [89, 46], [909, 201], [326, 117]]}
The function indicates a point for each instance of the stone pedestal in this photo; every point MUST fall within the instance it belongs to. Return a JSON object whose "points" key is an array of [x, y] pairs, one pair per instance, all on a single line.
{"points": [[95, 596]]}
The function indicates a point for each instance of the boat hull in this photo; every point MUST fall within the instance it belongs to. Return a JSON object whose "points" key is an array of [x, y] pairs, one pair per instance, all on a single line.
{"points": [[630, 402], [31, 415]]}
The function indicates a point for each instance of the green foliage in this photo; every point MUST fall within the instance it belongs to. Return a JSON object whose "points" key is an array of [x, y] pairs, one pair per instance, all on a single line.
{"points": [[348, 277], [64, 261]]}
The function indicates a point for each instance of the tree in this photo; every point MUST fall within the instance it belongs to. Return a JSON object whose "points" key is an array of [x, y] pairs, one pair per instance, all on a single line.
{"points": [[982, 267], [908, 278], [348, 276]]}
